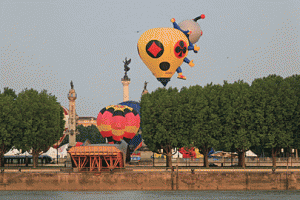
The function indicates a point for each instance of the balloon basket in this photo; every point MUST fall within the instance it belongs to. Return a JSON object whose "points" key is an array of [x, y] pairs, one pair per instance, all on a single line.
{"points": [[164, 81]]}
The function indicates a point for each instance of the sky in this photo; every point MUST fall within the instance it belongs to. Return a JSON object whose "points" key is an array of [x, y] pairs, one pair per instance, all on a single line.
{"points": [[44, 44]]}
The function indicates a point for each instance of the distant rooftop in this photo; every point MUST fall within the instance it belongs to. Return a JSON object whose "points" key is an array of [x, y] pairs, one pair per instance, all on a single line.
{"points": [[86, 118]]}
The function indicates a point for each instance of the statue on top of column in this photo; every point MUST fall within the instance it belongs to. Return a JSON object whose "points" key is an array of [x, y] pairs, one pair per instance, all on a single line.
{"points": [[72, 86], [145, 85], [126, 68]]}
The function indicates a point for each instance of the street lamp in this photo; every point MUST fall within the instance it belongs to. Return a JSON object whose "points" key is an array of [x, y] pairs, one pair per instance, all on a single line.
{"points": [[287, 160], [292, 158], [282, 150], [57, 146], [57, 153]]}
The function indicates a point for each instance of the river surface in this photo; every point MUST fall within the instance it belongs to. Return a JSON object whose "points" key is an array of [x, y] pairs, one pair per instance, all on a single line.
{"points": [[232, 195]]}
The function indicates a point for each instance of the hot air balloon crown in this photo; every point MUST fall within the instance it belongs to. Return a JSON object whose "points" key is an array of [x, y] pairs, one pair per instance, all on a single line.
{"points": [[120, 110], [117, 122]]}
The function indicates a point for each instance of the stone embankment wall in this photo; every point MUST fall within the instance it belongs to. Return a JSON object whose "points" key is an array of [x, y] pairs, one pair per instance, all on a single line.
{"points": [[150, 181]]}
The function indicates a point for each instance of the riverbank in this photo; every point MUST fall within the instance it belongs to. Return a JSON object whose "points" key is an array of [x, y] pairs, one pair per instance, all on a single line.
{"points": [[147, 180]]}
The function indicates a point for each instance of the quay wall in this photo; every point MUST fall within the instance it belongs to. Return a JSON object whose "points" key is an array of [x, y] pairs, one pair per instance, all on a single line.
{"points": [[150, 181]]}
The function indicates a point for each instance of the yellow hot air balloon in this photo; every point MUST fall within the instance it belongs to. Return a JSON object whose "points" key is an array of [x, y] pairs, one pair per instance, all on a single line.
{"points": [[163, 51]]}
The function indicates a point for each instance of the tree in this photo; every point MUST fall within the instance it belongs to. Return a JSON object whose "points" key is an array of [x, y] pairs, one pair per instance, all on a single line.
{"points": [[204, 121], [244, 134], [162, 125], [294, 82], [184, 112], [42, 122], [275, 98], [239, 119], [9, 118], [89, 132], [9, 92]]}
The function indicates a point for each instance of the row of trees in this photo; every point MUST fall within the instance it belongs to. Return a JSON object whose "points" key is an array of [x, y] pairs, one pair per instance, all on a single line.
{"points": [[230, 117], [29, 120], [32, 120]]}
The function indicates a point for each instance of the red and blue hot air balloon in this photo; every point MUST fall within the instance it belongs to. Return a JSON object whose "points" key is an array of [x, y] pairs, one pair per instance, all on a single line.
{"points": [[117, 122], [135, 142]]}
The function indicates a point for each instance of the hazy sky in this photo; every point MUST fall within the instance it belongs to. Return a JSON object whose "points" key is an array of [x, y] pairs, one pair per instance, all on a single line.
{"points": [[47, 43]]}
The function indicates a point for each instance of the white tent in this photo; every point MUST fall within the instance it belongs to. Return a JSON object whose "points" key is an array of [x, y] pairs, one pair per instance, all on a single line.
{"points": [[177, 154], [25, 154], [62, 151], [12, 152], [52, 153], [250, 154]]}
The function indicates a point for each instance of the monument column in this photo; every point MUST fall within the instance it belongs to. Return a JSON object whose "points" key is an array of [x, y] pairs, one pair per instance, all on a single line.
{"points": [[72, 132], [125, 83], [125, 80], [72, 96]]}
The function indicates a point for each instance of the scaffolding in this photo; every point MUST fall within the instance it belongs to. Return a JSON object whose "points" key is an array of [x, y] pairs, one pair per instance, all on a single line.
{"points": [[97, 158]]}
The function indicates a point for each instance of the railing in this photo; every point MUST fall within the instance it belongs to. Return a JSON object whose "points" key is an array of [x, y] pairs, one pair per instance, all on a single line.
{"points": [[225, 162], [21, 162]]}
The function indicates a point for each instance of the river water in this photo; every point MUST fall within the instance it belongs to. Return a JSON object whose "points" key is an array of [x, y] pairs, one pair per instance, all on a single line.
{"points": [[232, 195]]}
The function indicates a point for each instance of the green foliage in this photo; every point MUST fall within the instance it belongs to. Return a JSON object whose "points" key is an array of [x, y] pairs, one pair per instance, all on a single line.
{"points": [[163, 122], [240, 133], [9, 92], [90, 132], [9, 119], [294, 82], [275, 101], [201, 117], [41, 123]]}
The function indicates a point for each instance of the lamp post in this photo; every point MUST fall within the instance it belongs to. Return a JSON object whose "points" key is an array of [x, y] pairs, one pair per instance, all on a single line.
{"points": [[57, 153], [292, 158], [153, 159], [282, 150], [57, 145], [287, 161]]}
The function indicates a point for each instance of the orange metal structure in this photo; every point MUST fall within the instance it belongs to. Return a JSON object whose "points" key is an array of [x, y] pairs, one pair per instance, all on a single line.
{"points": [[97, 158]]}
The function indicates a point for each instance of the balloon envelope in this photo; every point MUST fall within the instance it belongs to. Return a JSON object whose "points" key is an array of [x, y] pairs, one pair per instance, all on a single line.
{"points": [[137, 139], [132, 104], [118, 122], [163, 51], [193, 26], [189, 153]]}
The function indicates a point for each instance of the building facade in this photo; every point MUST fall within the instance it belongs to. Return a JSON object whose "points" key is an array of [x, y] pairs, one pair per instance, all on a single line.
{"points": [[86, 121]]}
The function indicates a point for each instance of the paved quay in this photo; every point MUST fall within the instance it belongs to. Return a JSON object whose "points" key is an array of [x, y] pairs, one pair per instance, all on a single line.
{"points": [[153, 170]]}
